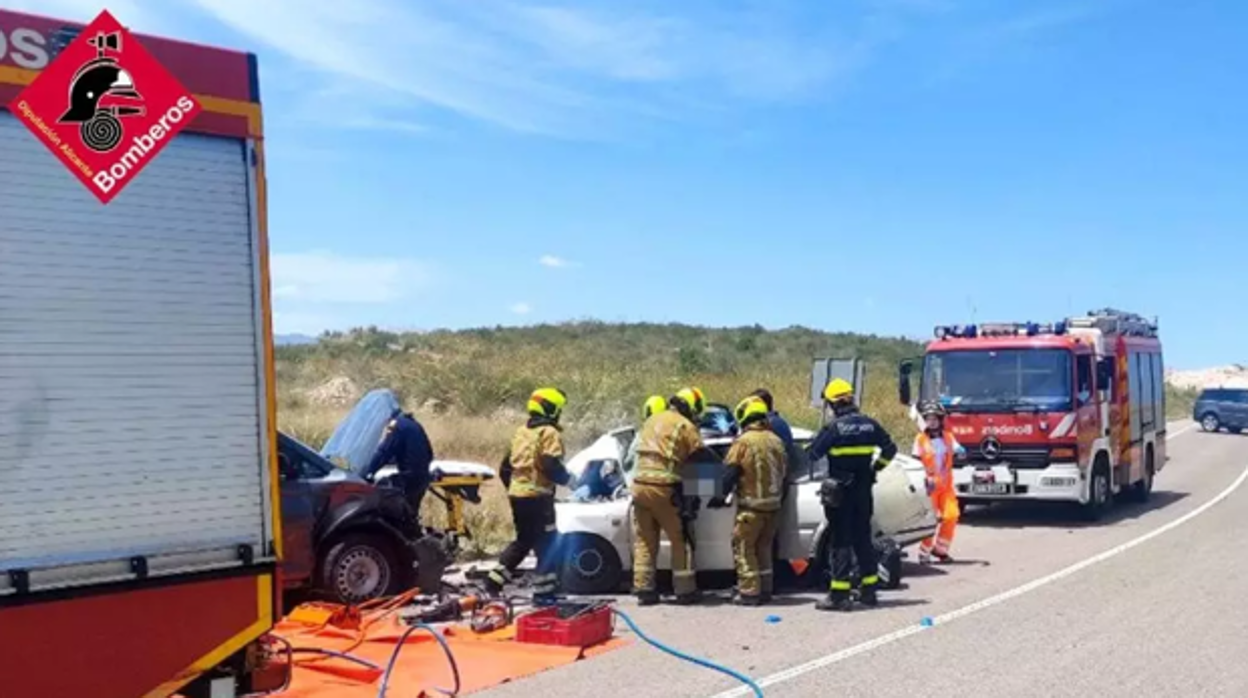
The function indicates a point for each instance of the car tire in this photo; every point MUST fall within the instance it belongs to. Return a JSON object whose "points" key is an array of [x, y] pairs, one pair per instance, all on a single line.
{"points": [[1099, 496], [1142, 491], [1210, 422], [358, 567], [590, 565]]}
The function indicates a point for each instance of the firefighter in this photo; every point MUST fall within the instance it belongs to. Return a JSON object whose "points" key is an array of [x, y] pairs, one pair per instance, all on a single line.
{"points": [[936, 447], [406, 445], [667, 441], [652, 406], [782, 429], [530, 470], [850, 442], [756, 472]]}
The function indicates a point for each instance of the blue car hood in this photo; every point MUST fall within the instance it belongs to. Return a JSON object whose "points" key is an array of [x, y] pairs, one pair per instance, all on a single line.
{"points": [[354, 442]]}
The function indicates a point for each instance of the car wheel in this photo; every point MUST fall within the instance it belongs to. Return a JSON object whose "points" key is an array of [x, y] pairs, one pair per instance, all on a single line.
{"points": [[359, 567], [590, 566], [1143, 490], [1210, 422], [1099, 497]]}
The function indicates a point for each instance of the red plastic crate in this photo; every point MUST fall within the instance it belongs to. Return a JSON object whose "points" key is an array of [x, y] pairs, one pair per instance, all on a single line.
{"points": [[544, 627]]}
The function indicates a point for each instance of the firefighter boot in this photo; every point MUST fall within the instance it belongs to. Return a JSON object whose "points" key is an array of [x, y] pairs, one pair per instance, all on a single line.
{"points": [[689, 599], [835, 601], [867, 596], [647, 598], [747, 600], [496, 580]]}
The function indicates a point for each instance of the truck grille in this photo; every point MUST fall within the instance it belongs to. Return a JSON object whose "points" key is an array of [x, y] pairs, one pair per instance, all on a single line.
{"points": [[1022, 456]]}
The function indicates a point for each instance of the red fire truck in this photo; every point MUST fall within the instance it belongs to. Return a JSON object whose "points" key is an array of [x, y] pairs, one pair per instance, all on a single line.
{"points": [[1068, 411]]}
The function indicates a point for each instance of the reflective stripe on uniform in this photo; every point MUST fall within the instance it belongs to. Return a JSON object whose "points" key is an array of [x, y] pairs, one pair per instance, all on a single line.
{"points": [[870, 580], [837, 451], [545, 583], [840, 586], [683, 573]]}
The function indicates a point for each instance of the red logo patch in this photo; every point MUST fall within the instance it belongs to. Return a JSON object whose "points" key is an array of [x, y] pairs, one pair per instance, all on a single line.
{"points": [[105, 107]]}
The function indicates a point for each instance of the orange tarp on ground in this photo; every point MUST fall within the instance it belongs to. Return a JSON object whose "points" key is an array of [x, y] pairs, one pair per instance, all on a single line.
{"points": [[484, 660]]}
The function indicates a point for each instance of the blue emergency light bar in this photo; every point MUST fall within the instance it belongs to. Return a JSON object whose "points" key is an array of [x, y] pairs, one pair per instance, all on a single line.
{"points": [[1000, 329]]}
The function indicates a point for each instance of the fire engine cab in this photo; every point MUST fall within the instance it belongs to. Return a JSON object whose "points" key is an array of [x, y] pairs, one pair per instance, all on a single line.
{"points": [[1069, 411]]}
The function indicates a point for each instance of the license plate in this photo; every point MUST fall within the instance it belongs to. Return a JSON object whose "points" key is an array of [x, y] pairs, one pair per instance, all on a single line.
{"points": [[990, 488]]}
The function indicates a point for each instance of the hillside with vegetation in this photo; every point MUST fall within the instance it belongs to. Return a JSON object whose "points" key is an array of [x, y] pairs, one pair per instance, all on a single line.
{"points": [[469, 387]]}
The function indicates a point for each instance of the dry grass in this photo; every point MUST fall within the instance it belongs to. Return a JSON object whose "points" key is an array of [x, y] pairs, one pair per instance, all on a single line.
{"points": [[467, 388]]}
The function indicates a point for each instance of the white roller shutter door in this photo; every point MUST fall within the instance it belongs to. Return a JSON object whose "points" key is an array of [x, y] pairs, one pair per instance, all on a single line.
{"points": [[132, 417]]}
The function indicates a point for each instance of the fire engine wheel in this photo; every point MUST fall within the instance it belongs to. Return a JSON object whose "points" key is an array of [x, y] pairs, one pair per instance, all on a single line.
{"points": [[359, 567], [1143, 490], [1099, 493]]}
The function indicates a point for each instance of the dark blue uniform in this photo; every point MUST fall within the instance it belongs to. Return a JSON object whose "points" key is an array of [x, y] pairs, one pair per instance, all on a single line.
{"points": [[406, 445], [850, 442]]}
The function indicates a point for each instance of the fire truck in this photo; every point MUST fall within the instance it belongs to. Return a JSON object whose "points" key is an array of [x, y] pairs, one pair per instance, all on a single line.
{"points": [[140, 521], [1069, 411]]}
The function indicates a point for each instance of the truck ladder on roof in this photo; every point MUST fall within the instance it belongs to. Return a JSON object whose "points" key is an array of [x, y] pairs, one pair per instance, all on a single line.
{"points": [[1116, 322]]}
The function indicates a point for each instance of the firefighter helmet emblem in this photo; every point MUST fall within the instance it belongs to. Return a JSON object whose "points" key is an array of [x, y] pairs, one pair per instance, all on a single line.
{"points": [[991, 448], [97, 96]]}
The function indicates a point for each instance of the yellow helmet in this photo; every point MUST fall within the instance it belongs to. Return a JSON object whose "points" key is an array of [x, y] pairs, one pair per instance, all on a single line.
{"points": [[653, 405], [694, 398], [838, 389], [547, 402], [749, 410]]}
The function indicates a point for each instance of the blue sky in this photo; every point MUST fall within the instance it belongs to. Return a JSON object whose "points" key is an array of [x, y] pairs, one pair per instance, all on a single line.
{"points": [[868, 165]]}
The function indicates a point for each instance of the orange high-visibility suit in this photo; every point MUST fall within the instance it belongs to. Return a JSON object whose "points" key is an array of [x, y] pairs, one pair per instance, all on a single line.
{"points": [[937, 460]]}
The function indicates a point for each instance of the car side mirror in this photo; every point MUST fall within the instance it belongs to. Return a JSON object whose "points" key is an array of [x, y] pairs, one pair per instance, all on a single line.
{"points": [[903, 381], [286, 468]]}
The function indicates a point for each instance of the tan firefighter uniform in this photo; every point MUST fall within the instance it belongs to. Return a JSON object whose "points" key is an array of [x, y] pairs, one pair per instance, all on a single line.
{"points": [[530, 471], [666, 440], [759, 458]]}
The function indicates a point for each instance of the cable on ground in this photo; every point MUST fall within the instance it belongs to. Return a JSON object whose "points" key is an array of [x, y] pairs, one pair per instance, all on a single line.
{"points": [[394, 656], [689, 658], [339, 655]]}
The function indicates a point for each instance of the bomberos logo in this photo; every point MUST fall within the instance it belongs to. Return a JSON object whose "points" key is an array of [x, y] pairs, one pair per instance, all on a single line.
{"points": [[105, 107]]}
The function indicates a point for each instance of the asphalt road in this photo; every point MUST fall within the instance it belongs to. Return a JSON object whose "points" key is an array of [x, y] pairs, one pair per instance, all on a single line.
{"points": [[1036, 604]]}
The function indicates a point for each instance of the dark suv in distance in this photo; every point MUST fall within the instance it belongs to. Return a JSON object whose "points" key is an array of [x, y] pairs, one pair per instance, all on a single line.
{"points": [[1222, 408]]}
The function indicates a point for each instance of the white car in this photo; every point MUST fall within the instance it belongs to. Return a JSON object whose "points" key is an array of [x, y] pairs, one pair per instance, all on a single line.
{"points": [[596, 544]]}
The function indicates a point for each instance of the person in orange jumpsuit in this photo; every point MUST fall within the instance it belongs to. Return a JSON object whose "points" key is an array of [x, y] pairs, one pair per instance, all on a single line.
{"points": [[936, 447]]}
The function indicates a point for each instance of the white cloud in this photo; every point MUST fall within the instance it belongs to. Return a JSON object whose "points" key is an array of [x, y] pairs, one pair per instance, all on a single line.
{"points": [[521, 308], [554, 262], [132, 14], [562, 69], [324, 277]]}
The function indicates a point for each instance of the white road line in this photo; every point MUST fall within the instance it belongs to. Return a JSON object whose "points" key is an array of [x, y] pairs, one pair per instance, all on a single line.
{"points": [[1182, 431], [828, 660]]}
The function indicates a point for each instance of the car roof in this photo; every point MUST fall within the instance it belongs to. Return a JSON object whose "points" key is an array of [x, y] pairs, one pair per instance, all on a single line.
{"points": [[1223, 391]]}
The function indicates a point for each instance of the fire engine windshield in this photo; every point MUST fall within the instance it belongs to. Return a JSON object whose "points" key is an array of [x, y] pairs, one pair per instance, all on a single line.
{"points": [[983, 380]]}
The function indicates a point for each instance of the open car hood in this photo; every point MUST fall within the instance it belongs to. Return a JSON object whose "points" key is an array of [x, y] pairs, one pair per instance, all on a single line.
{"points": [[357, 436], [355, 440]]}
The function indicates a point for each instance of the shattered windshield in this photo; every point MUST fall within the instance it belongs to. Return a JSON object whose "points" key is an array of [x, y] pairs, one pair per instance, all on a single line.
{"points": [[982, 380]]}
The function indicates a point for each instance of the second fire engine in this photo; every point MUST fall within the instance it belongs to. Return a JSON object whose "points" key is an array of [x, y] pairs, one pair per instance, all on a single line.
{"points": [[1068, 411]]}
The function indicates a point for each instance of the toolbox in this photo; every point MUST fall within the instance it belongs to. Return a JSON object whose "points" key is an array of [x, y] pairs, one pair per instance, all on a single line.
{"points": [[568, 624]]}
